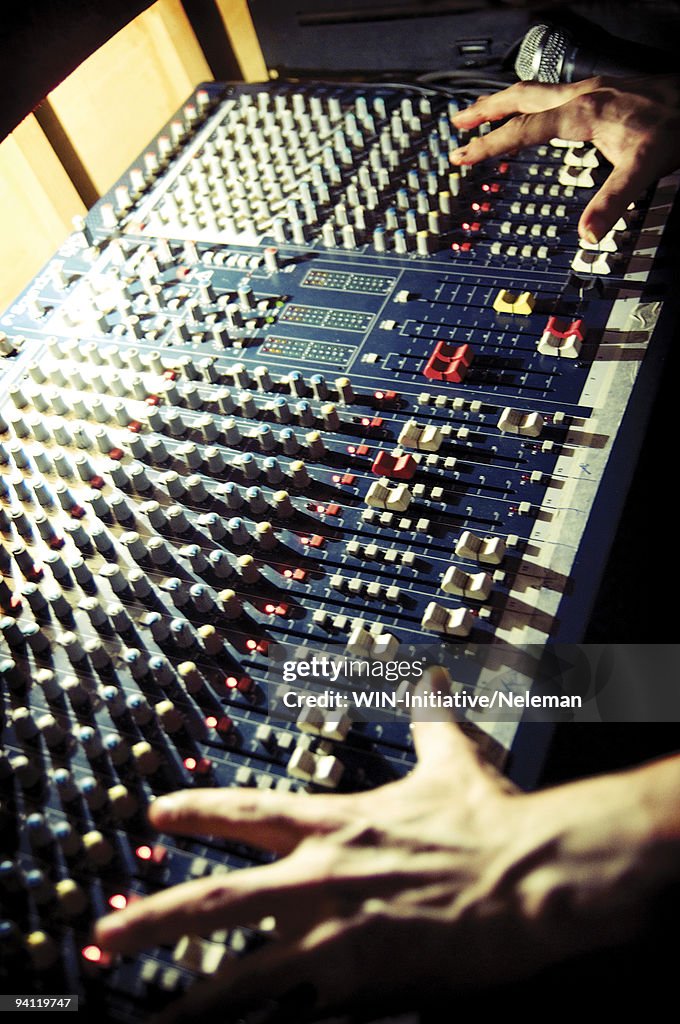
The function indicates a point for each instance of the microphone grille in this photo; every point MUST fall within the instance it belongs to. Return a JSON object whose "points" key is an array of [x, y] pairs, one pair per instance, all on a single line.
{"points": [[541, 54]]}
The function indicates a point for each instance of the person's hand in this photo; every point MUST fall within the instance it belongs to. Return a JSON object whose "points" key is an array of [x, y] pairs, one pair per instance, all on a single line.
{"points": [[634, 122], [445, 879]]}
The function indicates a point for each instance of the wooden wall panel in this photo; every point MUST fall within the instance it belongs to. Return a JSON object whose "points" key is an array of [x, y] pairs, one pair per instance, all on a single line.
{"points": [[43, 41], [38, 202], [241, 32], [119, 97]]}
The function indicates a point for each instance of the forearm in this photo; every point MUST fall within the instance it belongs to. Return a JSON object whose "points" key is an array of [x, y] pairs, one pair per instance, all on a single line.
{"points": [[603, 851]]}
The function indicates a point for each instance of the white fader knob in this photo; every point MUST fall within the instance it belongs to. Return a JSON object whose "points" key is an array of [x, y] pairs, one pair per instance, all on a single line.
{"points": [[489, 550], [476, 586]]}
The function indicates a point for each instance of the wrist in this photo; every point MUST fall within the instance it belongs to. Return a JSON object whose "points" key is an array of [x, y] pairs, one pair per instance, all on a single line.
{"points": [[594, 856]]}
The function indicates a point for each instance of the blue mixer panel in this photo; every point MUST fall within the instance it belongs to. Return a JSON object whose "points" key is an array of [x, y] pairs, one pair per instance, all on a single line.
{"points": [[297, 380]]}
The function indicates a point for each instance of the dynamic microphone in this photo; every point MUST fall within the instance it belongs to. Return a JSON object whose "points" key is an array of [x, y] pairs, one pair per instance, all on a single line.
{"points": [[549, 54]]}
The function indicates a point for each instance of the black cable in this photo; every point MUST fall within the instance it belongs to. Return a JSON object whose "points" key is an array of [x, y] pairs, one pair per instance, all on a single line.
{"points": [[464, 77]]}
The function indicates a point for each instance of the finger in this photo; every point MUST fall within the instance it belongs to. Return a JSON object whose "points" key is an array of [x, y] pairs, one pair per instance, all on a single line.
{"points": [[272, 821], [523, 130], [438, 739], [520, 98], [623, 186], [203, 906], [315, 970]]}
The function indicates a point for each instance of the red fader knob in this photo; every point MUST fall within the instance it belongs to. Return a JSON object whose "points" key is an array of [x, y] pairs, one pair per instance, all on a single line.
{"points": [[449, 362]]}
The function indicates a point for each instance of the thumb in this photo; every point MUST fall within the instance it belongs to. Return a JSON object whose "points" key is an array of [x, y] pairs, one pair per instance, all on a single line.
{"points": [[438, 738], [442, 746]]}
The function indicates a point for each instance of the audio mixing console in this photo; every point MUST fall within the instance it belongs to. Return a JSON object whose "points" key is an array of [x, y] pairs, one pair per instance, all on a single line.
{"points": [[294, 379]]}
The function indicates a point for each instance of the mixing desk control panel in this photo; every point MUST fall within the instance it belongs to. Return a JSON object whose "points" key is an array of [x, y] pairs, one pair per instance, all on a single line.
{"points": [[294, 379]]}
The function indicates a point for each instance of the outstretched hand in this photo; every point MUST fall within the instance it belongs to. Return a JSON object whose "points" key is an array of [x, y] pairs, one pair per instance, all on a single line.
{"points": [[447, 878], [634, 122]]}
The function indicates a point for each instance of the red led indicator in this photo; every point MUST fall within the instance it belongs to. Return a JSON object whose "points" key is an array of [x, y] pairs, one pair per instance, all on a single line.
{"points": [[465, 226], [211, 722], [485, 187], [288, 573], [270, 609], [251, 645], [144, 852], [351, 449], [94, 955], [118, 901], [321, 510], [335, 478], [365, 422], [231, 682], [190, 763], [379, 395], [476, 207]]}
